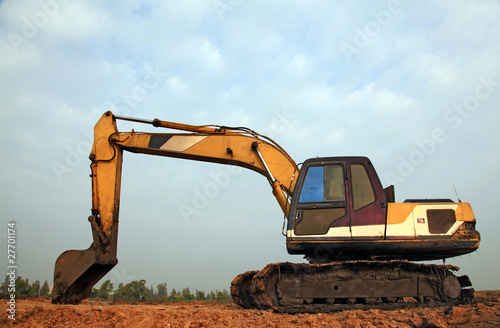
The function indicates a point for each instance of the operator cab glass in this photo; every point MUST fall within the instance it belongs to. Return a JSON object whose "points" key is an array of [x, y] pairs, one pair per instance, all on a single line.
{"points": [[362, 189], [322, 199], [323, 184]]}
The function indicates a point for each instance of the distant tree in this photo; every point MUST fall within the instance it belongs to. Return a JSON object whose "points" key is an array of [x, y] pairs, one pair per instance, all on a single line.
{"points": [[117, 294], [186, 294], [172, 296], [34, 288], [106, 290], [94, 293], [178, 298], [152, 294], [135, 291], [222, 296], [200, 295], [211, 296], [4, 288], [45, 289], [162, 290], [22, 286]]}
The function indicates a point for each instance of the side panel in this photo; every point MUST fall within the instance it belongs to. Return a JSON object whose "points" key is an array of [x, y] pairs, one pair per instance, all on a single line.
{"points": [[435, 220], [423, 221], [400, 223]]}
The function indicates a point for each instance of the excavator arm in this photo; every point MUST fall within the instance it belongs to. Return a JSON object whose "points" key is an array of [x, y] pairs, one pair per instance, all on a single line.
{"points": [[77, 271]]}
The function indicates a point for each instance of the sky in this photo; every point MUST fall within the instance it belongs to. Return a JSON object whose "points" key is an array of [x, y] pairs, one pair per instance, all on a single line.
{"points": [[414, 86]]}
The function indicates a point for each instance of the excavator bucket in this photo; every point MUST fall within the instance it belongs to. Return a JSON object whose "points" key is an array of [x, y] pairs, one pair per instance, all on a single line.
{"points": [[76, 272]]}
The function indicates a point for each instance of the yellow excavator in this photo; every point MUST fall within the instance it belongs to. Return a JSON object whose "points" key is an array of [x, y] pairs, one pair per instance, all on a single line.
{"points": [[358, 241]]}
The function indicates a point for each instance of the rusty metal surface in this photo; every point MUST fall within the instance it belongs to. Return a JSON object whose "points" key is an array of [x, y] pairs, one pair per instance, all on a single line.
{"points": [[75, 273], [289, 287], [240, 290]]}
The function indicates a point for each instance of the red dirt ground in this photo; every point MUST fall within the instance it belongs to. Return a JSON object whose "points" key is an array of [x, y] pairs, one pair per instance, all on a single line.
{"points": [[483, 312]]}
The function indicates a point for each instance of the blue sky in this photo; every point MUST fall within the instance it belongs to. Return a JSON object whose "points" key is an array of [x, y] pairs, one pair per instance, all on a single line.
{"points": [[413, 86]]}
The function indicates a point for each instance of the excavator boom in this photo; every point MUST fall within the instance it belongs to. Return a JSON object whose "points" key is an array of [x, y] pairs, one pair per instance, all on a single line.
{"points": [[77, 271]]}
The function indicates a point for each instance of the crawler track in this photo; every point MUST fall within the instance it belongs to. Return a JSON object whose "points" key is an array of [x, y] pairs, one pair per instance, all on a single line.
{"points": [[289, 287]]}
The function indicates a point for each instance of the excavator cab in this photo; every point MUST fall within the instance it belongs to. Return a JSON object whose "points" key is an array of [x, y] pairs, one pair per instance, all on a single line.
{"points": [[339, 193], [340, 211]]}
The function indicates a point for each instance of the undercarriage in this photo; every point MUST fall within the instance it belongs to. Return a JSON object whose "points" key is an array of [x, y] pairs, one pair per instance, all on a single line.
{"points": [[294, 288]]}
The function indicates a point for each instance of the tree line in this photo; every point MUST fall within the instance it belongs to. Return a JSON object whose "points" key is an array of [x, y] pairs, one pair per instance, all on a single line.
{"points": [[133, 291], [138, 291], [24, 287]]}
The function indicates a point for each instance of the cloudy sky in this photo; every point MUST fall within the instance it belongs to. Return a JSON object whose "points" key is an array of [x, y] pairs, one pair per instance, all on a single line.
{"points": [[415, 86]]}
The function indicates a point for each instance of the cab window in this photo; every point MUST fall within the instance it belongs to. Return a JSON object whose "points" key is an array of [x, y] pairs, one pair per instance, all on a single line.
{"points": [[321, 199], [334, 183], [323, 184], [362, 189]]}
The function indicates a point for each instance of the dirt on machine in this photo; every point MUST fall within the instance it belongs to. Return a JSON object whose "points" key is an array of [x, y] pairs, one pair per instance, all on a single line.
{"points": [[363, 247]]}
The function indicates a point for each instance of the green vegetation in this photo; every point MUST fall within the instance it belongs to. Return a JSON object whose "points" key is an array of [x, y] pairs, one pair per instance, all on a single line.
{"points": [[133, 291], [24, 287], [137, 291], [104, 292]]}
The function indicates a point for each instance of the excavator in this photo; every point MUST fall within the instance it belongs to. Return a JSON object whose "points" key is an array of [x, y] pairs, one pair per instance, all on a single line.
{"points": [[362, 247]]}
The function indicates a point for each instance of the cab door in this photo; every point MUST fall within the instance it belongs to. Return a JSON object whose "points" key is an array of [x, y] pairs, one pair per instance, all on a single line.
{"points": [[321, 204], [367, 201]]}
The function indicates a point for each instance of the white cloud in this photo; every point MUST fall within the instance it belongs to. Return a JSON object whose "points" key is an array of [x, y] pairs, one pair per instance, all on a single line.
{"points": [[381, 101], [210, 54], [78, 20], [177, 84]]}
